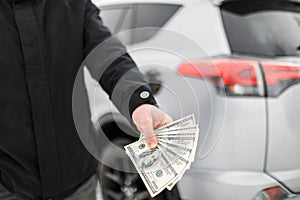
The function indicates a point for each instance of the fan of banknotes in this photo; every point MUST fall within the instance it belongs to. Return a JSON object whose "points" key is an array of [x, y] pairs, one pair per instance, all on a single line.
{"points": [[164, 167]]}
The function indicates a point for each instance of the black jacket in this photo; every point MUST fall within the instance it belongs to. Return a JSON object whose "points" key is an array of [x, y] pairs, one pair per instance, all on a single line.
{"points": [[42, 45]]}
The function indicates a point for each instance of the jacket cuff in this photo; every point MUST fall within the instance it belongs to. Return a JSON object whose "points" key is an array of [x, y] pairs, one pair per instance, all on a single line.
{"points": [[142, 95]]}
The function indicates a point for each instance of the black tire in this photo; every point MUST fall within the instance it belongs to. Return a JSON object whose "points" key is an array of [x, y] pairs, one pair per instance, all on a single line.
{"points": [[123, 182]]}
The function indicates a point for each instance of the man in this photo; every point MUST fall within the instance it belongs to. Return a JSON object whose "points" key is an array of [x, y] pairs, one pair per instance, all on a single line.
{"points": [[42, 44]]}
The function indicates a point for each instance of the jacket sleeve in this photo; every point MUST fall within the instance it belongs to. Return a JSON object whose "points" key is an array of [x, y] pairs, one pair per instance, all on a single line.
{"points": [[109, 62]]}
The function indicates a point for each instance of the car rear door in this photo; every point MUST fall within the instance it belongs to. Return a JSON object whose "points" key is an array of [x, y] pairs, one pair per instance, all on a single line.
{"points": [[283, 87], [270, 32]]}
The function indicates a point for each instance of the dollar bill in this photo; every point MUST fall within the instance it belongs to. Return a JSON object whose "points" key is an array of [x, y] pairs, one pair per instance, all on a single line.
{"points": [[184, 122], [164, 167], [176, 130], [181, 150], [179, 162], [152, 166]]}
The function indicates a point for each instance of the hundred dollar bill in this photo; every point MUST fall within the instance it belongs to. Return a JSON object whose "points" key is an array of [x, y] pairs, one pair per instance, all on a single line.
{"points": [[181, 143], [182, 139], [181, 134], [180, 123], [184, 151], [191, 159], [173, 156], [186, 121], [176, 130], [152, 165], [181, 155], [178, 162]]}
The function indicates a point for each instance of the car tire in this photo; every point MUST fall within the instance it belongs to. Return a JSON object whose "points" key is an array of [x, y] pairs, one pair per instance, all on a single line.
{"points": [[118, 184]]}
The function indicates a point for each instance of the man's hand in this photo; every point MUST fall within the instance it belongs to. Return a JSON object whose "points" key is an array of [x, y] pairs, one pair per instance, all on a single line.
{"points": [[147, 118]]}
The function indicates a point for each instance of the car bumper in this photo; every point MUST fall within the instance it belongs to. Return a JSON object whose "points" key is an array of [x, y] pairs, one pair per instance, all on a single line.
{"points": [[294, 198], [225, 185]]}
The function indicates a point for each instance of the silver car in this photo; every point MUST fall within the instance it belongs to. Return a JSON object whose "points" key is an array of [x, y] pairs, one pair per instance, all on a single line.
{"points": [[240, 75]]}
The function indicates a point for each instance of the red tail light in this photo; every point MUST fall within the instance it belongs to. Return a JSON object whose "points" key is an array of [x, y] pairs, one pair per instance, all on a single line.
{"points": [[234, 77], [280, 76], [274, 193]]}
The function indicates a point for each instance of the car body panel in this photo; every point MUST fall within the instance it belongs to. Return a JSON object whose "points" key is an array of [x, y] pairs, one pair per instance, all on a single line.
{"points": [[225, 185], [284, 137]]}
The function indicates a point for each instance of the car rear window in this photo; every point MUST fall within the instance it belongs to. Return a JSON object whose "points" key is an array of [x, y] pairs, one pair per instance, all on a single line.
{"points": [[263, 28], [132, 16]]}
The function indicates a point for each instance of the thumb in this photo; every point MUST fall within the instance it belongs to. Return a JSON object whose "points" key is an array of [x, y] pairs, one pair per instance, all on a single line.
{"points": [[146, 127]]}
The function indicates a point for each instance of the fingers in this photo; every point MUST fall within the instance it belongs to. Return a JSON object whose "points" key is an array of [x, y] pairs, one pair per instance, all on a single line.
{"points": [[167, 120], [147, 118], [146, 127], [164, 119]]}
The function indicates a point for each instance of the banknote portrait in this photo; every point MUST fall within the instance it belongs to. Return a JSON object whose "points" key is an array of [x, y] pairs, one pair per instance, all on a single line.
{"points": [[148, 158]]}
